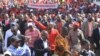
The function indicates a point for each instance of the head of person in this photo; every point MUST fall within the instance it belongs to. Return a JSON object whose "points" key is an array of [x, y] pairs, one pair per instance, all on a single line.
{"points": [[86, 44], [60, 16], [22, 39], [6, 16], [27, 17], [75, 25], [50, 26], [60, 49], [21, 16], [13, 16], [14, 29], [45, 17], [6, 55], [65, 54], [15, 41], [59, 19], [31, 26], [90, 19], [44, 35]]}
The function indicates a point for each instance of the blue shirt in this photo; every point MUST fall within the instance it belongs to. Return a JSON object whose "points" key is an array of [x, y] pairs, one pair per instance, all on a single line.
{"points": [[14, 51], [20, 51], [26, 51]]}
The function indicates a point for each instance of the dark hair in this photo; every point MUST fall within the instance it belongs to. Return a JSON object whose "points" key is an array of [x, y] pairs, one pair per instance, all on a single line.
{"points": [[12, 38], [60, 48], [6, 55], [22, 39], [9, 40], [85, 41], [30, 26], [65, 53]]}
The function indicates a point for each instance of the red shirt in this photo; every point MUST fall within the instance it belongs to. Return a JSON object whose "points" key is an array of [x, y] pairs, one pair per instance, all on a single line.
{"points": [[33, 36], [52, 37], [0, 19], [59, 26]]}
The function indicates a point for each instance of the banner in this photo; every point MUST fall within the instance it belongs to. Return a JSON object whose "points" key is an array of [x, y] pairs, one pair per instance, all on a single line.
{"points": [[43, 4], [12, 2]]}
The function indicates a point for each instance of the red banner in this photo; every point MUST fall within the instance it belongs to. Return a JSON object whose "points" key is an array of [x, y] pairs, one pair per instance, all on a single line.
{"points": [[43, 4], [43, 1]]}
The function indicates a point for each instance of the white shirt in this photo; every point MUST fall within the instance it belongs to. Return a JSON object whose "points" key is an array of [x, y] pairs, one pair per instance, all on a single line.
{"points": [[7, 35], [91, 53], [99, 31], [45, 43], [88, 53]]}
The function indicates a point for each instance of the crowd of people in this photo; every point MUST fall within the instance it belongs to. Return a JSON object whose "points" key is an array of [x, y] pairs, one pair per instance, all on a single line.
{"points": [[69, 30]]}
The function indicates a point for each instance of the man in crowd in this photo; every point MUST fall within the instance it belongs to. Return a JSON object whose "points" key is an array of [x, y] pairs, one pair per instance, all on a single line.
{"points": [[12, 31], [52, 33], [86, 49], [75, 36], [33, 34], [87, 28], [22, 24], [23, 46], [96, 36], [15, 43], [42, 45], [6, 23]]}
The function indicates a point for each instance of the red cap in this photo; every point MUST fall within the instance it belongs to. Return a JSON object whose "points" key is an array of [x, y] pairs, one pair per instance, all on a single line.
{"points": [[76, 24]]}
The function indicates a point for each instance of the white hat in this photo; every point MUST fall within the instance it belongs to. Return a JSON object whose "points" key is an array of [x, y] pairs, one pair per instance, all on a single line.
{"points": [[31, 24]]}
